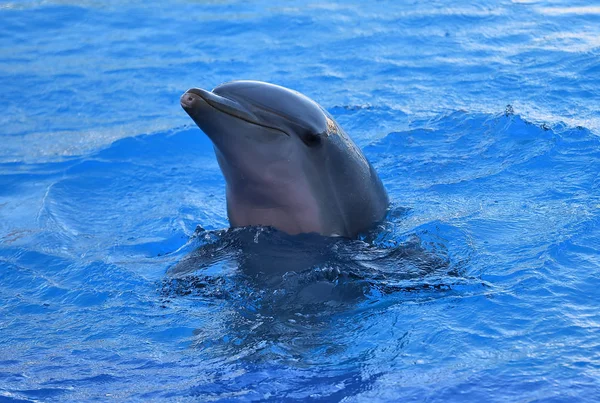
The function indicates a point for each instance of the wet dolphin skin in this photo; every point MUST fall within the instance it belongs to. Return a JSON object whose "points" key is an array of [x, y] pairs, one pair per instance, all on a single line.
{"points": [[286, 162]]}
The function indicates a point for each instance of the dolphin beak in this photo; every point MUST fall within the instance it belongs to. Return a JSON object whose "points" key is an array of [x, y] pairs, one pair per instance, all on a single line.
{"points": [[195, 96]]}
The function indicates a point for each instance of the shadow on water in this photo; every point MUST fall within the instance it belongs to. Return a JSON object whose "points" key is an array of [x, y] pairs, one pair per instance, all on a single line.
{"points": [[311, 269], [286, 290]]}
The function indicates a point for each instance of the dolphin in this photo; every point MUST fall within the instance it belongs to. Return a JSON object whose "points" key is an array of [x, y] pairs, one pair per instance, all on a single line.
{"points": [[286, 162]]}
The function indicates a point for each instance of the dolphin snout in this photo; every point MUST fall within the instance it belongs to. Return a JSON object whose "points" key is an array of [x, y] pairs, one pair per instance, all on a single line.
{"points": [[188, 100], [194, 96]]}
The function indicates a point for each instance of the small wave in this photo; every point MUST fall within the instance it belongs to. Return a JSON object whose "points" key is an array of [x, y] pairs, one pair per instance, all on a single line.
{"points": [[311, 269]]}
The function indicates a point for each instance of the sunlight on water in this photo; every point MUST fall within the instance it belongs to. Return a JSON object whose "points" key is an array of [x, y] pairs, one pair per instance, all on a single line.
{"points": [[591, 10]]}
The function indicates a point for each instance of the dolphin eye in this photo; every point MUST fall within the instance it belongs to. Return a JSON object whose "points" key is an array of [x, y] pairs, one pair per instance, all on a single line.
{"points": [[312, 139]]}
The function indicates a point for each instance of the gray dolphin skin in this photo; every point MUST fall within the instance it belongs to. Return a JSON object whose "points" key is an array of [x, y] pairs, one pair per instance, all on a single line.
{"points": [[286, 162]]}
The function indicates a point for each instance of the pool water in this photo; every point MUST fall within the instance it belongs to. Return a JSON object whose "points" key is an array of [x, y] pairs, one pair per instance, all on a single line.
{"points": [[119, 281]]}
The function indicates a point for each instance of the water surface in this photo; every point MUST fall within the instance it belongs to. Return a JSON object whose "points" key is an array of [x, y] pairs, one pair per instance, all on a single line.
{"points": [[482, 285]]}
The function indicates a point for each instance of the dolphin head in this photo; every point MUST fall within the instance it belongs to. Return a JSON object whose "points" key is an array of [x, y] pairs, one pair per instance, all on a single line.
{"points": [[265, 105], [279, 152], [263, 136]]}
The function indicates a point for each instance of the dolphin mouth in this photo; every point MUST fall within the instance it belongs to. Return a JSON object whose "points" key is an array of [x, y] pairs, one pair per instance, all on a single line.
{"points": [[218, 102], [225, 105]]}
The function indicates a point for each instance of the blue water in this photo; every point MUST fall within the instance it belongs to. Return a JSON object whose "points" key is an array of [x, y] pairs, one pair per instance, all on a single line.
{"points": [[483, 284]]}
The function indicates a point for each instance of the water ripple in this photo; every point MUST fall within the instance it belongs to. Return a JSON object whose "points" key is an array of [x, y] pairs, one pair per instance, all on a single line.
{"points": [[480, 285]]}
